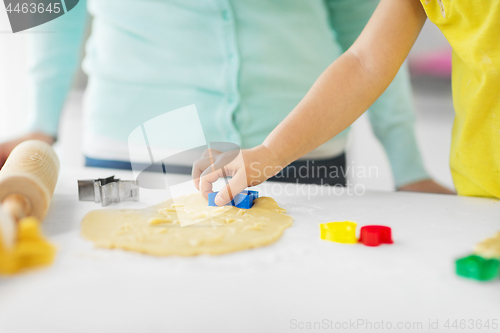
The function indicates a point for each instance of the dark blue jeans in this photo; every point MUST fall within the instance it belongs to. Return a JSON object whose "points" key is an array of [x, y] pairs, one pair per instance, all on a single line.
{"points": [[321, 172]]}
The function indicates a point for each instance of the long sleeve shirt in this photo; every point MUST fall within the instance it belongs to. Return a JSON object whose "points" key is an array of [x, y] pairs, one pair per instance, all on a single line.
{"points": [[244, 64]]}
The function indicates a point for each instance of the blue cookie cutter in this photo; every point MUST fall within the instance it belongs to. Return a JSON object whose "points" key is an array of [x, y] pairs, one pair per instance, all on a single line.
{"points": [[242, 200]]}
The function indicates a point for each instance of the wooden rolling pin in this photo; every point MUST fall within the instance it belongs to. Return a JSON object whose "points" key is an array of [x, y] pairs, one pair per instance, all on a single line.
{"points": [[27, 183]]}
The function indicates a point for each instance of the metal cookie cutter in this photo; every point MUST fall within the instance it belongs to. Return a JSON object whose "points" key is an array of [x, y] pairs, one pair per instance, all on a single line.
{"points": [[108, 190]]}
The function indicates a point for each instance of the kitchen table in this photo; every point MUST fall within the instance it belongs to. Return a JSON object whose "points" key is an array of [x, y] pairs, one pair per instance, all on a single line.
{"points": [[299, 283]]}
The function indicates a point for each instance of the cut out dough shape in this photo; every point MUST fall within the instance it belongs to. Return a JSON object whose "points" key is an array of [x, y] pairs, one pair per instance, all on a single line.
{"points": [[489, 248], [156, 230]]}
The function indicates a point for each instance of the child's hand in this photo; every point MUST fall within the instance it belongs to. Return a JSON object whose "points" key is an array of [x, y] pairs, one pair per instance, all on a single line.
{"points": [[248, 167]]}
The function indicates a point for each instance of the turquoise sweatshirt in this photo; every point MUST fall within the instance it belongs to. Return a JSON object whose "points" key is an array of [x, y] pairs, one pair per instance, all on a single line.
{"points": [[244, 64]]}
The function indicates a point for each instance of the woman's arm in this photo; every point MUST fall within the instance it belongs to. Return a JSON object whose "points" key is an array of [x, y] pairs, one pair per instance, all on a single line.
{"points": [[341, 94], [53, 58], [53, 55]]}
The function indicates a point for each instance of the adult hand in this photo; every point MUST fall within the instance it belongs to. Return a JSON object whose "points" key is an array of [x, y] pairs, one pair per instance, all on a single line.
{"points": [[8, 146], [248, 167], [426, 186]]}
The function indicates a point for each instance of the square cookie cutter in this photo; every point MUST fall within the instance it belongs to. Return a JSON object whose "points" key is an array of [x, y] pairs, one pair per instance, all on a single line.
{"points": [[108, 190]]}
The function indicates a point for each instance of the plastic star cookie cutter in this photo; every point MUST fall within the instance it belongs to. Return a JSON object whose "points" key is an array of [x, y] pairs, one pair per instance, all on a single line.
{"points": [[478, 268]]}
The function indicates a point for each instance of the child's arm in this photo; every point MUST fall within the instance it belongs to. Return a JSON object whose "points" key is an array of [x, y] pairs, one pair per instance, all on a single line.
{"points": [[352, 83], [341, 94], [392, 115]]}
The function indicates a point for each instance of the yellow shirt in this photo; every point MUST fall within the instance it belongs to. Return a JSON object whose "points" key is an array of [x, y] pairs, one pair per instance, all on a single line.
{"points": [[473, 30]]}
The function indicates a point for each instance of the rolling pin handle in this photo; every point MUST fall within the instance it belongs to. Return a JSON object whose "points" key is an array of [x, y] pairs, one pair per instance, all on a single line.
{"points": [[17, 206]]}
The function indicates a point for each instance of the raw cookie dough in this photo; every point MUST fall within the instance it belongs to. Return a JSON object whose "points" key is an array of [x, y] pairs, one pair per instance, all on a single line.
{"points": [[489, 248], [156, 230]]}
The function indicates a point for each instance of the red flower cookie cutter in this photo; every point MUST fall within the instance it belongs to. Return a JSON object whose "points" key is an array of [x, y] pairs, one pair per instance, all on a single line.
{"points": [[374, 235]]}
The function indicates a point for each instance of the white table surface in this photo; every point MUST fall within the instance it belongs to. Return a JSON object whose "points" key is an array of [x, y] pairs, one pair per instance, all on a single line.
{"points": [[300, 279]]}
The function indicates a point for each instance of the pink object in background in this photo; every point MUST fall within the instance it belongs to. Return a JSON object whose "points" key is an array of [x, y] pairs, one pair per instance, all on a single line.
{"points": [[436, 64]]}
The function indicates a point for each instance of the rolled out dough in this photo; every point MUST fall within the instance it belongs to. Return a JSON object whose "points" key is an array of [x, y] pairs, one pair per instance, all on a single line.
{"points": [[490, 247], [156, 230]]}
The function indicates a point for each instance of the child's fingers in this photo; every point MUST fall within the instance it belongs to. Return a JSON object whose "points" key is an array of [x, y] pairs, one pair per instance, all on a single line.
{"points": [[207, 159], [198, 168], [206, 181], [211, 152], [224, 160], [237, 184]]}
